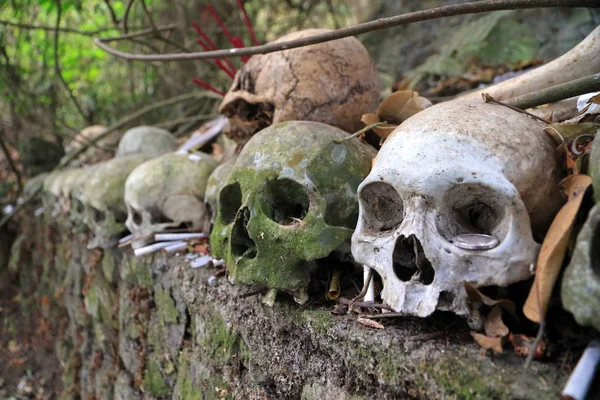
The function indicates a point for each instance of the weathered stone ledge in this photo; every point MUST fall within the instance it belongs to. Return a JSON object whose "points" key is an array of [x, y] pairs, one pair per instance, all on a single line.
{"points": [[152, 327]]}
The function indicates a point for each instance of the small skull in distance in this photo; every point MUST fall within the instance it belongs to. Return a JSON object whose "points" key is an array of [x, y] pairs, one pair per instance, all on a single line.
{"points": [[102, 197], [147, 140], [333, 82], [290, 200], [457, 168], [168, 192]]}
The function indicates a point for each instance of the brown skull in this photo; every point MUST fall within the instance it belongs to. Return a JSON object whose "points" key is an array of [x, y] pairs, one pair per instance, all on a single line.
{"points": [[333, 82]]}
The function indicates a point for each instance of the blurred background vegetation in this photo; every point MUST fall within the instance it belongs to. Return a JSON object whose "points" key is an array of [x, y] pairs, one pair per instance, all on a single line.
{"points": [[54, 81]]}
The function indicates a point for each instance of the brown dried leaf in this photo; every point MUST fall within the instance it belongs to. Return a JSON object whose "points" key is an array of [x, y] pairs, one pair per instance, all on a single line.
{"points": [[522, 345], [595, 99], [493, 324], [475, 296], [488, 343], [554, 248], [370, 323], [399, 106]]}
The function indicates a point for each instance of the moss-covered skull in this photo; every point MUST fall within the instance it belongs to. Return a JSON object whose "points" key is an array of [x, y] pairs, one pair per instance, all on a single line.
{"points": [[290, 200], [216, 181], [146, 140], [168, 192], [333, 82], [102, 198]]}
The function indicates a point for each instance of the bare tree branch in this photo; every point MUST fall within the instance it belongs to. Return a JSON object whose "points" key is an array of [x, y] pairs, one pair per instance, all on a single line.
{"points": [[379, 24], [53, 28], [113, 16], [57, 64], [11, 164], [126, 15]]}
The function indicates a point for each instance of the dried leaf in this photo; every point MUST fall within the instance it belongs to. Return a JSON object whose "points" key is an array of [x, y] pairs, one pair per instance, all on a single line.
{"points": [[493, 324], [522, 345], [370, 323], [475, 296], [554, 248], [565, 133], [595, 99], [488, 343], [399, 106]]}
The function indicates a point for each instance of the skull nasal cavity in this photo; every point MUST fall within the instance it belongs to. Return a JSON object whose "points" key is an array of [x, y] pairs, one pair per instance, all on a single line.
{"points": [[410, 263], [287, 201], [241, 243], [230, 201], [382, 206]]}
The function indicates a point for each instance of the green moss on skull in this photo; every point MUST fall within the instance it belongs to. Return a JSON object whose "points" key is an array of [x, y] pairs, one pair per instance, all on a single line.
{"points": [[290, 200]]}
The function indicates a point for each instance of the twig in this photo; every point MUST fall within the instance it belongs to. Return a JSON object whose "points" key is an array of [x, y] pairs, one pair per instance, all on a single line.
{"points": [[11, 164], [252, 293], [126, 15], [535, 344], [145, 32], [113, 16], [587, 84], [53, 28], [57, 64], [489, 99], [385, 315], [362, 293], [364, 304], [360, 132], [379, 24]]}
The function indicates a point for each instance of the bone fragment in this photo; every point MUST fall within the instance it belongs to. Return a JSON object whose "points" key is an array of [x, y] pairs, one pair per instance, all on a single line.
{"points": [[213, 128], [178, 236], [370, 295], [179, 246], [580, 61], [201, 262], [152, 248], [582, 377], [126, 238]]}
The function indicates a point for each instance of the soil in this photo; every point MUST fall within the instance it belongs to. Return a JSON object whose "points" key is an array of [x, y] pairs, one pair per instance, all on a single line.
{"points": [[29, 369]]}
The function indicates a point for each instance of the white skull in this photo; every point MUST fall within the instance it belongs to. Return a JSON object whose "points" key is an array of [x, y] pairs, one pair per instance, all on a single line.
{"points": [[147, 140], [456, 168], [168, 192], [102, 198]]}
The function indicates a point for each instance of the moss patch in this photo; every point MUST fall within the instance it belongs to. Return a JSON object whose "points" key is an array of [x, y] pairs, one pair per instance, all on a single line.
{"points": [[154, 382], [165, 305]]}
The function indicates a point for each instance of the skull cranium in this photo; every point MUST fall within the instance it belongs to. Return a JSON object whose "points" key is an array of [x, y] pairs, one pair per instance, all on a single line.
{"points": [[453, 169], [333, 82], [290, 200], [168, 192]]}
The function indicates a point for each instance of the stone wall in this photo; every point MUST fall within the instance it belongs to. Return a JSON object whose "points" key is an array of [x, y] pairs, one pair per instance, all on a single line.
{"points": [[152, 328]]}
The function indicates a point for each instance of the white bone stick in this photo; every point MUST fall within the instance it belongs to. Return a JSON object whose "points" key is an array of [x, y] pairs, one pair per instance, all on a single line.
{"points": [[178, 246], [582, 377], [582, 60], [126, 238], [209, 130], [178, 236], [152, 248], [370, 295]]}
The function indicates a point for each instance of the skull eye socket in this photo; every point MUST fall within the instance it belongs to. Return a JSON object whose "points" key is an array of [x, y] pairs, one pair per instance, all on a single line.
{"points": [[382, 207], [472, 208], [99, 216], [230, 201], [287, 201], [137, 217]]}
